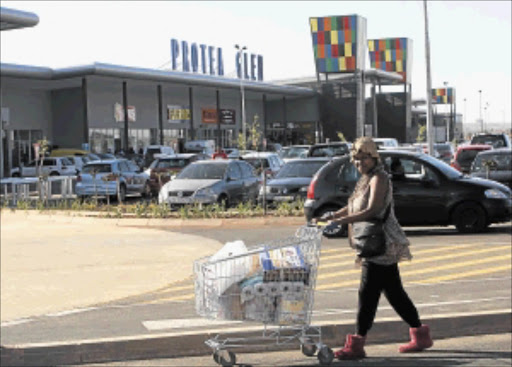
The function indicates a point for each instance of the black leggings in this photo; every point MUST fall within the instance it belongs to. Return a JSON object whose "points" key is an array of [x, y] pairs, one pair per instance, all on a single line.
{"points": [[375, 279]]}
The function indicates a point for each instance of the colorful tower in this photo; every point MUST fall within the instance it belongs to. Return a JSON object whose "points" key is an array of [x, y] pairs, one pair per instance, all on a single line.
{"points": [[392, 54]]}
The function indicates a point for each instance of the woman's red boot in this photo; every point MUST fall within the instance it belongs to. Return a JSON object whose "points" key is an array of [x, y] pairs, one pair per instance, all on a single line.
{"points": [[420, 340], [353, 349]]}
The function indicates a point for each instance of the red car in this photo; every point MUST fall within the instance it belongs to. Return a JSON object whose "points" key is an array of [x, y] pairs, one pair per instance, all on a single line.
{"points": [[164, 167], [465, 155]]}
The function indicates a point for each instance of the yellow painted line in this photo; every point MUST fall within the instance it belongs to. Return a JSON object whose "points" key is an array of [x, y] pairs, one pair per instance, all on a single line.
{"points": [[464, 275], [416, 261], [428, 251], [422, 271]]}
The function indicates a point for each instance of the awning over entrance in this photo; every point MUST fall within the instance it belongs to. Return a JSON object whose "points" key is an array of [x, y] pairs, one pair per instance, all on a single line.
{"points": [[15, 19]]}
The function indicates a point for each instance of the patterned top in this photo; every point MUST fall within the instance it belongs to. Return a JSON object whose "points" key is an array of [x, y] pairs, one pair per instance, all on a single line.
{"points": [[397, 244]]}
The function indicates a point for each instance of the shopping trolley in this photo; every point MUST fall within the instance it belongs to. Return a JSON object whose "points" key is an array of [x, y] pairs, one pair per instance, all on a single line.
{"points": [[272, 283]]}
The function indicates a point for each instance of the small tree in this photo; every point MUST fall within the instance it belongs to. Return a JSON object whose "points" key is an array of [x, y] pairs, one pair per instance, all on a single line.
{"points": [[44, 148], [422, 133], [340, 135], [255, 133]]}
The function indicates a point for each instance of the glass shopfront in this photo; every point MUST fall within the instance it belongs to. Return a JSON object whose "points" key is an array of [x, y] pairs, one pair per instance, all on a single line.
{"points": [[22, 150]]}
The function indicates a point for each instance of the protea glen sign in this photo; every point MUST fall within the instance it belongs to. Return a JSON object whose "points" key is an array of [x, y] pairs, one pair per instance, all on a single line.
{"points": [[205, 59]]}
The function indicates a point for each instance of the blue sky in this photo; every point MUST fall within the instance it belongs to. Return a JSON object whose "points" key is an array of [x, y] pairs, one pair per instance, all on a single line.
{"points": [[470, 40]]}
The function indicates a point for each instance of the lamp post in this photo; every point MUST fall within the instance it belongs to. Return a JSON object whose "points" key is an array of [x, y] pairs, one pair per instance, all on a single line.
{"points": [[481, 120], [450, 118], [240, 51]]}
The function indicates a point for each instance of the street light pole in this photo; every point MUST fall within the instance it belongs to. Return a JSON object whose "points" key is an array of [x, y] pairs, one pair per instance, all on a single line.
{"points": [[481, 120], [240, 63], [450, 118], [430, 131]]}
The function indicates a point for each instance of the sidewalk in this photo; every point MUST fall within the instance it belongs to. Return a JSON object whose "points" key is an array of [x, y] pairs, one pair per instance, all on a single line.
{"points": [[471, 351]]}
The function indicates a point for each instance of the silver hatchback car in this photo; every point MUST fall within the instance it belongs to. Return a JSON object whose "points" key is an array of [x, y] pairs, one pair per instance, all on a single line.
{"points": [[223, 181], [114, 177]]}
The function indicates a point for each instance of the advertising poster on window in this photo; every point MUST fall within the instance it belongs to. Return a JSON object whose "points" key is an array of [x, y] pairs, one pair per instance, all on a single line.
{"points": [[227, 117], [119, 113], [178, 114], [209, 116]]}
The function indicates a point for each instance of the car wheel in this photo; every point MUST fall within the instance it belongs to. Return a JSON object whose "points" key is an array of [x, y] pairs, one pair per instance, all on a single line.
{"points": [[121, 195], [16, 174], [54, 174], [469, 218], [223, 201], [339, 231]]}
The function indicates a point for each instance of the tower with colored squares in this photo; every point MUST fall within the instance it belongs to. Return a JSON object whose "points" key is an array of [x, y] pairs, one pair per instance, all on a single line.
{"points": [[338, 43], [392, 54], [443, 95]]}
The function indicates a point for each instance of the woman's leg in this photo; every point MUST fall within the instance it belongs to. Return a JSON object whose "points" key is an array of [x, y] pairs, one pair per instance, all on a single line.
{"points": [[369, 294], [398, 297]]}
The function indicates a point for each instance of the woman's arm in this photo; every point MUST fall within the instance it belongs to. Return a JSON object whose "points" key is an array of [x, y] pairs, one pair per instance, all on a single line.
{"points": [[376, 202]]}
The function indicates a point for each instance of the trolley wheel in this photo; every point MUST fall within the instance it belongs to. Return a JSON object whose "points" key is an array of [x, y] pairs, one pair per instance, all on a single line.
{"points": [[226, 358], [325, 355], [308, 350]]}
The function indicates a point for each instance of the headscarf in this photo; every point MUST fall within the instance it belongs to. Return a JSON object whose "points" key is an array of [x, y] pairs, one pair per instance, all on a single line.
{"points": [[365, 145]]}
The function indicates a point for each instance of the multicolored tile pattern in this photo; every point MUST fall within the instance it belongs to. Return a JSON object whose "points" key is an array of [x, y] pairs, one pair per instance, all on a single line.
{"points": [[390, 54], [443, 95], [336, 43]]}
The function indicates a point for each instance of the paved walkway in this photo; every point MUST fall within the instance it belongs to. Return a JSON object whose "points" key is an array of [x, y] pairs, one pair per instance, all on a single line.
{"points": [[51, 263]]}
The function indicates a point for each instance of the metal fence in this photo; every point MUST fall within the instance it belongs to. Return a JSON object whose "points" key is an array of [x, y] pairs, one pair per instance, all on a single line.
{"points": [[15, 189]]}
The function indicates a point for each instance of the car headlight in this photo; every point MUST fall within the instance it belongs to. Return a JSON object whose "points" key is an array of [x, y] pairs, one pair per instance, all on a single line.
{"points": [[495, 194], [207, 191]]}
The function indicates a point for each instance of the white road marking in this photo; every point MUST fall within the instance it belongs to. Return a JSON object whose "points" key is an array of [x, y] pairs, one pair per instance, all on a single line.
{"points": [[184, 323]]}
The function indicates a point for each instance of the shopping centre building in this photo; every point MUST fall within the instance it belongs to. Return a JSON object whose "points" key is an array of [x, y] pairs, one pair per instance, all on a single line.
{"points": [[106, 108]]}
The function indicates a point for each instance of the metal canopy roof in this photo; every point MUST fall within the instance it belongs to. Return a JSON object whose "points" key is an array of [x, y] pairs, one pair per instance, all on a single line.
{"points": [[44, 73], [15, 19]]}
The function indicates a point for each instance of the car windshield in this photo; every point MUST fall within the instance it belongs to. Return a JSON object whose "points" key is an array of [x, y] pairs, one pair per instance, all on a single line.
{"points": [[171, 163], [300, 169], [446, 169], [495, 162], [496, 141], [294, 152], [203, 172], [257, 162], [97, 168]]}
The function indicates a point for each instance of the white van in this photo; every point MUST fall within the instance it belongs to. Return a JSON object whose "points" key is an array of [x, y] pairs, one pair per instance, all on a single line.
{"points": [[203, 146]]}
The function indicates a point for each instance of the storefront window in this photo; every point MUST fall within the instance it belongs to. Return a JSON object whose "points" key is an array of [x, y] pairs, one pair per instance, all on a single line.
{"points": [[22, 150]]}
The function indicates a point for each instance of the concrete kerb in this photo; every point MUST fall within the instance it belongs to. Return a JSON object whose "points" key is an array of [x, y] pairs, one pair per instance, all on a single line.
{"points": [[179, 345], [127, 221]]}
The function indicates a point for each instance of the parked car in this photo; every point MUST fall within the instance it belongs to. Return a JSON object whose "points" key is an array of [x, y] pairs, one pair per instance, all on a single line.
{"points": [[495, 140], [233, 153], [78, 161], [442, 151], [151, 150], [426, 192], [465, 155], [293, 152], [115, 178], [224, 181], [267, 162], [495, 165], [292, 181], [166, 167], [385, 143], [52, 166], [333, 149]]}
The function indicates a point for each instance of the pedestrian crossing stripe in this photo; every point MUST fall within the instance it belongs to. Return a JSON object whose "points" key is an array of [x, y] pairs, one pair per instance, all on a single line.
{"points": [[415, 253], [463, 275], [423, 271], [414, 262]]}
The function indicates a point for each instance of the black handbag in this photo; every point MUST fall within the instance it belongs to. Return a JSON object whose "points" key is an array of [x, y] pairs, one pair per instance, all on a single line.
{"points": [[368, 236]]}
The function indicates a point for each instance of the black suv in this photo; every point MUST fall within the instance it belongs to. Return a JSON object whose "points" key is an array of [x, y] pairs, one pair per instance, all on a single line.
{"points": [[426, 192]]}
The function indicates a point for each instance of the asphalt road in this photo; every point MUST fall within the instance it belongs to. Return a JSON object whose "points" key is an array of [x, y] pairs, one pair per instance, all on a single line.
{"points": [[450, 274]]}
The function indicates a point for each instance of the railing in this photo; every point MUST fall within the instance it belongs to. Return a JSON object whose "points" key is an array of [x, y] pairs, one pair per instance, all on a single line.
{"points": [[16, 189]]}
